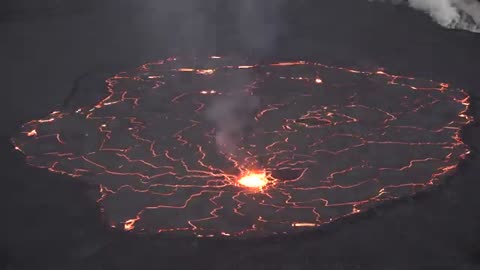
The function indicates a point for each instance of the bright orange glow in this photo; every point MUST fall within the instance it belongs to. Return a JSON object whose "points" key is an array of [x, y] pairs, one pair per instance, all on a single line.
{"points": [[205, 92], [186, 69], [205, 71], [254, 180], [32, 133], [130, 224], [304, 224], [285, 64]]}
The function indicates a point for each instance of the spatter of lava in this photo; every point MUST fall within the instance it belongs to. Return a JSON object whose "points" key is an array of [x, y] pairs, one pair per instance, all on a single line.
{"points": [[329, 141]]}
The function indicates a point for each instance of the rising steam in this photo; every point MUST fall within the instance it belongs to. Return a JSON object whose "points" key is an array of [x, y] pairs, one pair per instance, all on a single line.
{"points": [[258, 24], [232, 114], [454, 14]]}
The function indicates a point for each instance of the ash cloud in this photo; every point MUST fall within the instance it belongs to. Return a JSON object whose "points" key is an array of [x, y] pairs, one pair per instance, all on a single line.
{"points": [[453, 14]]}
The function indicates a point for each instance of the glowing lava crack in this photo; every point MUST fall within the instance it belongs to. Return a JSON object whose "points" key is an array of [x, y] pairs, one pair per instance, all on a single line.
{"points": [[328, 142]]}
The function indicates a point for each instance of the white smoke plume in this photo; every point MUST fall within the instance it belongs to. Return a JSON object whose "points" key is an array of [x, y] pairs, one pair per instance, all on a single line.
{"points": [[454, 14]]}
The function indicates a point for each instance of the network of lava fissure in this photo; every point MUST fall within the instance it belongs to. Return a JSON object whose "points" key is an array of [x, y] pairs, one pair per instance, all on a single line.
{"points": [[324, 143]]}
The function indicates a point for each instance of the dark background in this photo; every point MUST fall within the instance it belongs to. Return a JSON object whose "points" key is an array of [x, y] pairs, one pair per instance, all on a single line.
{"points": [[57, 53]]}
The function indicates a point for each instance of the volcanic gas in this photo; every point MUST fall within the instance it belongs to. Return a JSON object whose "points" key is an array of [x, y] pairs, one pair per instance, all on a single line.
{"points": [[323, 142]]}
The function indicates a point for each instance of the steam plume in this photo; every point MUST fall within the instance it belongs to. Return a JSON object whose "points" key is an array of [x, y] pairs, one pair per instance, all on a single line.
{"points": [[455, 14], [232, 115], [258, 24]]}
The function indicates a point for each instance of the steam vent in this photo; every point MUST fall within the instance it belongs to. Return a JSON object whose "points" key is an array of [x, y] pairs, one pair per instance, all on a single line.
{"points": [[319, 143]]}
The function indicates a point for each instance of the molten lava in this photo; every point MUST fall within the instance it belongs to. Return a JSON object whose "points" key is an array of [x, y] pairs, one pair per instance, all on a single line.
{"points": [[253, 180], [323, 136]]}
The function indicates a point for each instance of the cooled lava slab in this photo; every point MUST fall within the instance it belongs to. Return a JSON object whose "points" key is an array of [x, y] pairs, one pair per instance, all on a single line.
{"points": [[323, 142]]}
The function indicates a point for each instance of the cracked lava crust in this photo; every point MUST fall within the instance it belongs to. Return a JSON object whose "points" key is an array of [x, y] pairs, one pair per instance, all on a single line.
{"points": [[325, 142]]}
